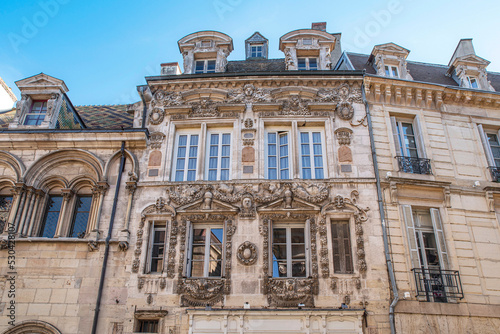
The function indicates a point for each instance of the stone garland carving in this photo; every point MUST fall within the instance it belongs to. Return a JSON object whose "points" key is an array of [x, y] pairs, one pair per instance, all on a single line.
{"points": [[163, 98], [174, 231], [295, 106], [345, 95], [156, 139], [247, 253], [138, 245], [204, 108], [360, 216], [203, 291], [313, 192], [289, 292]]}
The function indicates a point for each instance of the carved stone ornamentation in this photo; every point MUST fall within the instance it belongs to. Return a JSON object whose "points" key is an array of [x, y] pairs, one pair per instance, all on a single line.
{"points": [[249, 94], [249, 123], [247, 208], [136, 262], [247, 253], [156, 116], [174, 231], [93, 245], [291, 292], [201, 291], [204, 108], [360, 216], [156, 139], [123, 246], [295, 106], [343, 136], [345, 110], [167, 99]]}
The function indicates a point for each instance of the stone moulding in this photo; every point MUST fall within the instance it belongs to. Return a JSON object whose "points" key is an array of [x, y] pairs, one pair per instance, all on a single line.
{"points": [[202, 291]]}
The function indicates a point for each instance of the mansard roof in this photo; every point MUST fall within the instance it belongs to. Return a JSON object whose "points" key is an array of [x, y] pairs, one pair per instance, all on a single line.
{"points": [[257, 65], [113, 117], [423, 72]]}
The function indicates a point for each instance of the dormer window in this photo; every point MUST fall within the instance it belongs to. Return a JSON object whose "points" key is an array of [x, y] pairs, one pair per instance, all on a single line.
{"points": [[472, 82], [391, 71], [307, 64], [205, 66], [256, 51], [37, 112]]}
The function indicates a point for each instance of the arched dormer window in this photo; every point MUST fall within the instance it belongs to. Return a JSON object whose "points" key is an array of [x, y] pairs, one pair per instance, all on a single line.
{"points": [[389, 60], [308, 49], [205, 52]]}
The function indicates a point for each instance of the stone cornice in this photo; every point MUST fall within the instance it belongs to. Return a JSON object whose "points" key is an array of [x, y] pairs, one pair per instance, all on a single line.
{"points": [[418, 94]]}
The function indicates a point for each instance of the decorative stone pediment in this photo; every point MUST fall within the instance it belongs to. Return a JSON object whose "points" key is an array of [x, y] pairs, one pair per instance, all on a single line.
{"points": [[42, 81], [295, 204], [390, 49], [207, 204]]}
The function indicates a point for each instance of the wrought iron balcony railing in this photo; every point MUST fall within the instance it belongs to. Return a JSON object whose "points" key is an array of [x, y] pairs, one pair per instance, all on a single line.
{"points": [[414, 165], [438, 285], [495, 173]]}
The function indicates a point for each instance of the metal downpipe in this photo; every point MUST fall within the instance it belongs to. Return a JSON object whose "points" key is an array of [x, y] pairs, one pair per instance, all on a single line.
{"points": [[382, 217], [108, 238]]}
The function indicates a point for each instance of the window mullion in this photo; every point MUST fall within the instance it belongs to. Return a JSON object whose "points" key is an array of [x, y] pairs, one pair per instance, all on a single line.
{"points": [[288, 252], [206, 259]]}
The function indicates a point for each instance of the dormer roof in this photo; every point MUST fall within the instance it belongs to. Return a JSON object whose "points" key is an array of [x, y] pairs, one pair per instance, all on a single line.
{"points": [[220, 39], [293, 36], [42, 81], [256, 38], [389, 49]]}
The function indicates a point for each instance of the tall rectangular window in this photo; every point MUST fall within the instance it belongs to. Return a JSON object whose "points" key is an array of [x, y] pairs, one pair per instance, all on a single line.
{"points": [[206, 251], [472, 81], [186, 157], [494, 147], [289, 252], [36, 115], [49, 225], [157, 248], [407, 142], [311, 155], [5, 205], [342, 252], [219, 156], [81, 217], [278, 155], [147, 326]]}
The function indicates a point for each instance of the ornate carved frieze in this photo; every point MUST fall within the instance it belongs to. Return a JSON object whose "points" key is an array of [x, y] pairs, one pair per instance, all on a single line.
{"points": [[163, 98], [248, 94], [295, 106], [247, 253], [204, 108]]}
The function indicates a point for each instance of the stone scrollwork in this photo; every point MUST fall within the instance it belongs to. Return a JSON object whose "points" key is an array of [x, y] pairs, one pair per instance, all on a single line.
{"points": [[344, 96], [204, 108], [156, 139], [345, 110], [343, 136], [174, 231], [247, 253]]}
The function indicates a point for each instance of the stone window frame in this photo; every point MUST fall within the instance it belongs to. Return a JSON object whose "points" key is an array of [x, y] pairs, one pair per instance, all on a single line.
{"points": [[490, 157], [294, 150], [389, 70], [307, 61], [39, 114], [203, 130], [152, 223], [220, 132]]}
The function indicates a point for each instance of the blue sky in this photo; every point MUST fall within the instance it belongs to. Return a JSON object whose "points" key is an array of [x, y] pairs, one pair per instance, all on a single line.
{"points": [[104, 49]]}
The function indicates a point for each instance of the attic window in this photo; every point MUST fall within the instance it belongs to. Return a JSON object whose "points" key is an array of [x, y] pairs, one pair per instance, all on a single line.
{"points": [[256, 51], [472, 82], [307, 41], [36, 115], [206, 44], [391, 71]]}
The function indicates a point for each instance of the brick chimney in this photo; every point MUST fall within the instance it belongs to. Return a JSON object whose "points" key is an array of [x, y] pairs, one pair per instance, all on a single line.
{"points": [[321, 26]]}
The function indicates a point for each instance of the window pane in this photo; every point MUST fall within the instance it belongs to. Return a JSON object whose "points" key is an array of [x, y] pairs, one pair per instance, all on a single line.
{"points": [[298, 252], [387, 73], [214, 139], [226, 139], [199, 66], [197, 268], [51, 217], [301, 63], [395, 72], [297, 235], [279, 235], [304, 137], [215, 269], [179, 176], [225, 163], [271, 149], [81, 218], [279, 251], [284, 174], [271, 137], [211, 66], [305, 149], [319, 173], [224, 175], [194, 140], [212, 163], [191, 175], [272, 174], [182, 140], [298, 269], [279, 268], [306, 161], [313, 65], [192, 163], [306, 173]]}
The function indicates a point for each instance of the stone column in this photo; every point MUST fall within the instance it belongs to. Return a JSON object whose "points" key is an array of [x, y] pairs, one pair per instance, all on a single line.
{"points": [[21, 218], [67, 194], [17, 194], [40, 196], [27, 222], [99, 190]]}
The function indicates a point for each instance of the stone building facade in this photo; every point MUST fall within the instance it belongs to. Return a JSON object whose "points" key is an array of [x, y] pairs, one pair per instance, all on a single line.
{"points": [[242, 196], [436, 138]]}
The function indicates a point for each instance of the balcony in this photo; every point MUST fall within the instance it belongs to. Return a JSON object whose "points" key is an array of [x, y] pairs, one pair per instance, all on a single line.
{"points": [[438, 285], [414, 165], [495, 173]]}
